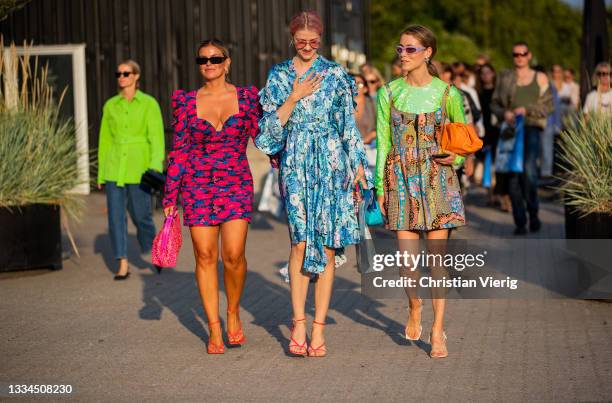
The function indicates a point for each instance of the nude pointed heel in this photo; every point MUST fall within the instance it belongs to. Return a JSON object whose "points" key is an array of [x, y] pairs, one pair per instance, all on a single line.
{"points": [[420, 325], [439, 353]]}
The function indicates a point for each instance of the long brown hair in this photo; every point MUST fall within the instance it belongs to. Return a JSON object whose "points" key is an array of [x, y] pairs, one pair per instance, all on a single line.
{"points": [[428, 40]]}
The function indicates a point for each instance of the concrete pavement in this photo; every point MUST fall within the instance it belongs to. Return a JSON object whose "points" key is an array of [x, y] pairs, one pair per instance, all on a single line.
{"points": [[144, 339]]}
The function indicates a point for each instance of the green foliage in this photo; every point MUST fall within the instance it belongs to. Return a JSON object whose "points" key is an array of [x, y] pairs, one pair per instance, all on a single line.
{"points": [[466, 28], [586, 154]]}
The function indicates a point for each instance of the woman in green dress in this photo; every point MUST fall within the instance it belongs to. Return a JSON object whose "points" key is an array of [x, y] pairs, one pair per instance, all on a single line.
{"points": [[417, 191]]}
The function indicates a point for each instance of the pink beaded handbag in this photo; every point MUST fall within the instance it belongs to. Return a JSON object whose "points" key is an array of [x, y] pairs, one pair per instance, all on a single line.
{"points": [[167, 242]]}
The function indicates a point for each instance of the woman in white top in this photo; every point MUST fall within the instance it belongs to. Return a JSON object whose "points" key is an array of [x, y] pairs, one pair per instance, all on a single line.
{"points": [[570, 91], [600, 99]]}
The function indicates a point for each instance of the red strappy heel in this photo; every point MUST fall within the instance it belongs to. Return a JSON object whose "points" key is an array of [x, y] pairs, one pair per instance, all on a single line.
{"points": [[296, 348], [236, 338], [215, 348], [320, 351]]}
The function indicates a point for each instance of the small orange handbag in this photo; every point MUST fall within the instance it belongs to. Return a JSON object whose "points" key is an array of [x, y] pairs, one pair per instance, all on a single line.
{"points": [[458, 138]]}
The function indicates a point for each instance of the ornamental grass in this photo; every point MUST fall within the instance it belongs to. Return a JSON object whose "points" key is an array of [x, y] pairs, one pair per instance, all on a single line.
{"points": [[38, 150], [586, 162]]}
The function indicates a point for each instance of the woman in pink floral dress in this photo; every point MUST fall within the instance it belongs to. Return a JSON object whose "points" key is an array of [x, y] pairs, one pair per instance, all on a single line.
{"points": [[209, 168]]}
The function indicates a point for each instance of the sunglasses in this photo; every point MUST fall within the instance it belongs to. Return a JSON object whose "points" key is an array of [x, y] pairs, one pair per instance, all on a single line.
{"points": [[376, 80], [301, 43], [123, 73], [408, 49], [517, 54], [213, 60], [603, 73]]}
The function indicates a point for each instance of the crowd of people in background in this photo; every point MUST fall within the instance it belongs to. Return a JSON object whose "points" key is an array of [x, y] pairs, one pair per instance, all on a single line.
{"points": [[333, 138], [479, 83]]}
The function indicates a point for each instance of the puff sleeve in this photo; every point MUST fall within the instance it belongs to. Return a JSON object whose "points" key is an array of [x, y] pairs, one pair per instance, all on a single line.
{"points": [[177, 158]]}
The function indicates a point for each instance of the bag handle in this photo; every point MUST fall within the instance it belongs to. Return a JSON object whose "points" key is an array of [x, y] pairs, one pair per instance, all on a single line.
{"points": [[444, 116]]}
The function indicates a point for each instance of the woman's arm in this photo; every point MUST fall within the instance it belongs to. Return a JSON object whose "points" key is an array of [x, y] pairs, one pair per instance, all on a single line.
{"points": [[177, 158], [278, 107], [350, 136], [272, 135], [456, 114], [104, 144], [155, 134], [302, 89], [383, 138]]}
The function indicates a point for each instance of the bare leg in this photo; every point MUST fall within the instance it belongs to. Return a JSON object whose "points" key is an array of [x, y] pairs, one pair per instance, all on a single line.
{"points": [[233, 240], [408, 241], [323, 292], [205, 246], [299, 290], [438, 344]]}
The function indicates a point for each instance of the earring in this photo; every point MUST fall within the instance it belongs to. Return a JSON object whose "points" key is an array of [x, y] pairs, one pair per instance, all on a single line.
{"points": [[426, 59]]}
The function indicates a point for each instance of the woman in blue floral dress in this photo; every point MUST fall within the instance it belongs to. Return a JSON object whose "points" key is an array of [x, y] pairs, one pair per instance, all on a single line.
{"points": [[308, 124]]}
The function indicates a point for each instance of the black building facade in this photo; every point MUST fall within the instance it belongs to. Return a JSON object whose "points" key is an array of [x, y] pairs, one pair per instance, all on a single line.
{"points": [[162, 35]]}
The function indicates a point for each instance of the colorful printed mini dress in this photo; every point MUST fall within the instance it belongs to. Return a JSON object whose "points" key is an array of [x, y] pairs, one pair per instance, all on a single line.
{"points": [[209, 168], [420, 194]]}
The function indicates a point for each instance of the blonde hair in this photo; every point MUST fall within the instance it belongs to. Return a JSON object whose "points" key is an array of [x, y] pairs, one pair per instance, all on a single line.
{"points": [[373, 70], [595, 77], [135, 68]]}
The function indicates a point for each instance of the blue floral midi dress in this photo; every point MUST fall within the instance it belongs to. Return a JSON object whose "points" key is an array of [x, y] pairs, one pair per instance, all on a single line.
{"points": [[319, 151]]}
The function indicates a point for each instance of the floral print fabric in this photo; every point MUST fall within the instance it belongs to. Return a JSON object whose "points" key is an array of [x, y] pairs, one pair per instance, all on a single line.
{"points": [[208, 167], [319, 150]]}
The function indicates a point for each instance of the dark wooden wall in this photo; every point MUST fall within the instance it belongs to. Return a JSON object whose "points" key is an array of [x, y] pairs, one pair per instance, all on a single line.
{"points": [[162, 35]]}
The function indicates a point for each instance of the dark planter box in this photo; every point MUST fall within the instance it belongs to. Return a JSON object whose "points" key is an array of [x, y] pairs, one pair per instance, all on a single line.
{"points": [[591, 226], [30, 237]]}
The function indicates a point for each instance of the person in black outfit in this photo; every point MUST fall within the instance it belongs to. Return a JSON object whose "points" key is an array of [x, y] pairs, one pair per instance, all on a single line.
{"points": [[485, 86]]}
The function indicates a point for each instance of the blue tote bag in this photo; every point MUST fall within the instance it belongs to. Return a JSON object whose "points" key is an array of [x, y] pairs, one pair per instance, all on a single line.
{"points": [[510, 151]]}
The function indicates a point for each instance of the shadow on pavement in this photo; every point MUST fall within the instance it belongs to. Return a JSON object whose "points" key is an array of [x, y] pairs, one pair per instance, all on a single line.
{"points": [[102, 246], [267, 301], [177, 292]]}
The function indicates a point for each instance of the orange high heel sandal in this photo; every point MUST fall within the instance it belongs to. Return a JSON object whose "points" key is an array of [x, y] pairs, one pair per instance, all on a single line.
{"points": [[296, 348], [320, 351], [236, 338], [214, 348]]}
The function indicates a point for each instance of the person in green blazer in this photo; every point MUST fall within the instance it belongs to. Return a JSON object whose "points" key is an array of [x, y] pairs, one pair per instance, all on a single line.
{"points": [[131, 142]]}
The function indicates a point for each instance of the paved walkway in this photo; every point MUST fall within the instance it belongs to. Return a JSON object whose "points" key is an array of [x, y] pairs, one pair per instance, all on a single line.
{"points": [[145, 338]]}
